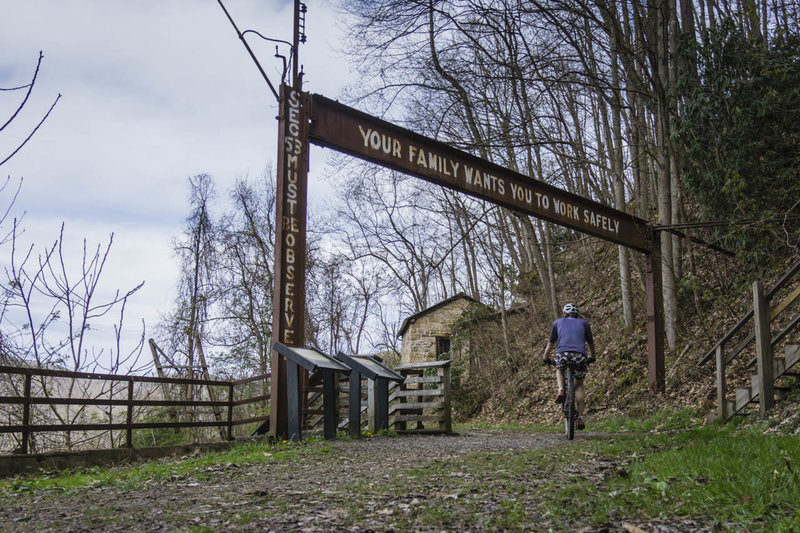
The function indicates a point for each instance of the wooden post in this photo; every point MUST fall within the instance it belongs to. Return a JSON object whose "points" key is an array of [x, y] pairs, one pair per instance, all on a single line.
{"points": [[330, 399], [230, 411], [655, 319], [211, 395], [129, 418], [293, 415], [766, 387], [402, 387], [372, 409], [722, 402], [173, 411], [381, 391], [447, 419], [157, 360], [26, 413], [290, 246], [354, 404]]}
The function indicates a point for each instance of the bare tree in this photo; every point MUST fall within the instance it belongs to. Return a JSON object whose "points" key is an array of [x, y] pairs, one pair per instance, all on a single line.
{"points": [[54, 316], [242, 320], [386, 217], [28, 88], [196, 251]]}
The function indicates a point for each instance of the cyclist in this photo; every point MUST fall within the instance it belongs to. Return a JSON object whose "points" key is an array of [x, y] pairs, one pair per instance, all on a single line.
{"points": [[572, 335]]}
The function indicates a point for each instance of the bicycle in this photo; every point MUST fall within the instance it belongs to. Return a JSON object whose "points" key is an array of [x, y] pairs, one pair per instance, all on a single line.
{"points": [[569, 407]]}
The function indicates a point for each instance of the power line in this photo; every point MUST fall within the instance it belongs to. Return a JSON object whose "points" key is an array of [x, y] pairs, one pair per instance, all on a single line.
{"points": [[674, 228], [722, 223], [250, 51]]}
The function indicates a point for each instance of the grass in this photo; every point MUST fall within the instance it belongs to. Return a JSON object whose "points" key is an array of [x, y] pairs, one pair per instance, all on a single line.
{"points": [[134, 476], [715, 474], [663, 420], [504, 426]]}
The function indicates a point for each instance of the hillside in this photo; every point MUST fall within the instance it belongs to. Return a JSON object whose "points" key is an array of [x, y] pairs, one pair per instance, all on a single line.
{"points": [[520, 388]]}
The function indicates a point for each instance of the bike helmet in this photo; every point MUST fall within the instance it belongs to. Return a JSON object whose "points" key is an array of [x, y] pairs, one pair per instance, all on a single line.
{"points": [[571, 309]]}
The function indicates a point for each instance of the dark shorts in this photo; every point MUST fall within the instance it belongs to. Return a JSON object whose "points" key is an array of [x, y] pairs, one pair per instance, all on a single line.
{"points": [[576, 360]]}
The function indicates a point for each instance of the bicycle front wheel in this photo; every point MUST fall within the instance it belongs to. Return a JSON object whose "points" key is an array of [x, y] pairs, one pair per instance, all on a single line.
{"points": [[570, 411]]}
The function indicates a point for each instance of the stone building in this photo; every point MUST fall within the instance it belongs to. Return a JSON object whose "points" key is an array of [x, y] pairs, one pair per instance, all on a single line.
{"points": [[426, 335]]}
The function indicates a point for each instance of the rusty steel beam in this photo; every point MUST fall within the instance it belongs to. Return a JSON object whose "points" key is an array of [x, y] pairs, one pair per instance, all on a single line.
{"points": [[348, 130]]}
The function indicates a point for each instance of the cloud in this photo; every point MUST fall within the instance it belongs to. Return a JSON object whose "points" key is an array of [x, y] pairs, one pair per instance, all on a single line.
{"points": [[153, 92]]}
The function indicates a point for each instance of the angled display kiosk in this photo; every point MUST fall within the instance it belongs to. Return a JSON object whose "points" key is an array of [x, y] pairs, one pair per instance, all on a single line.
{"points": [[312, 360], [379, 376]]}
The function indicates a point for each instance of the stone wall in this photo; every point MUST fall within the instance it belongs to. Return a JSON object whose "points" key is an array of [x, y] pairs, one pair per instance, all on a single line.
{"points": [[419, 340]]}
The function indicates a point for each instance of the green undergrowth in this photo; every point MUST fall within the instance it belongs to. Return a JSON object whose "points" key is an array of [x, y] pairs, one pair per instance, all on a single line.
{"points": [[662, 420]]}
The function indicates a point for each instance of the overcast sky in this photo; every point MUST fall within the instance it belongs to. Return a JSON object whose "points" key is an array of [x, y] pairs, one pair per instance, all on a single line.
{"points": [[153, 91]]}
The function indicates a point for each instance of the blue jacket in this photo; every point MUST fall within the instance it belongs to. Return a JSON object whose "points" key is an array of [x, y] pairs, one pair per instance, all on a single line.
{"points": [[572, 334]]}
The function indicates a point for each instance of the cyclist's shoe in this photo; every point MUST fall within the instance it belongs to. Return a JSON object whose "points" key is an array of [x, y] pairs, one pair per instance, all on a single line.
{"points": [[580, 424], [560, 397]]}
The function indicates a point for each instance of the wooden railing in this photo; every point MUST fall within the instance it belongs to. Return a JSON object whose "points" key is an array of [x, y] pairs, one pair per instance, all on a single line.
{"points": [[132, 394], [762, 315]]}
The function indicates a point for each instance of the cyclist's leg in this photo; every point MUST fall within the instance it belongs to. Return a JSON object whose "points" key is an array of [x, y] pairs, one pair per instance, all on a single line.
{"points": [[579, 372], [560, 381], [560, 377]]}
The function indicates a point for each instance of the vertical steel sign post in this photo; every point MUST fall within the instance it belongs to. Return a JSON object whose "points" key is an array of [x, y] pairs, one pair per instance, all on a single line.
{"points": [[289, 288], [655, 318]]}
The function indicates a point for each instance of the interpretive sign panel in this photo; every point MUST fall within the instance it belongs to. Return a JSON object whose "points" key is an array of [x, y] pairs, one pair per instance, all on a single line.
{"points": [[309, 358], [378, 376], [370, 367], [348, 130]]}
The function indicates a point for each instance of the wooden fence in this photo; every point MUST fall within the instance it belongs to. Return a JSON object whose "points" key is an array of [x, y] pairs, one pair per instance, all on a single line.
{"points": [[422, 404], [126, 399]]}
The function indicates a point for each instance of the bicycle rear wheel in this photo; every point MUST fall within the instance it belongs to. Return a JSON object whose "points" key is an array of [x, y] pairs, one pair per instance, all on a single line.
{"points": [[570, 411]]}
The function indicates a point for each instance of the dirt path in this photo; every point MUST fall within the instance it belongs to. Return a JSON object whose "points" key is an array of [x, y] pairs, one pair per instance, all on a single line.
{"points": [[410, 483]]}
